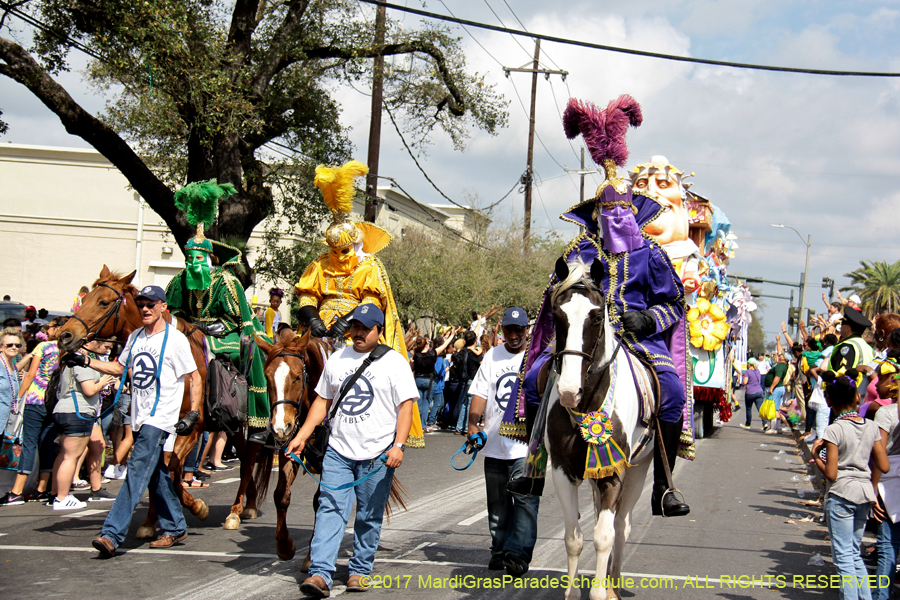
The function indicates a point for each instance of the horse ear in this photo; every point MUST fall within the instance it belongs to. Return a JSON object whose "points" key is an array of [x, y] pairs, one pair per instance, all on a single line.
{"points": [[304, 341], [104, 272], [128, 278], [287, 336], [562, 268], [263, 344], [597, 271]]}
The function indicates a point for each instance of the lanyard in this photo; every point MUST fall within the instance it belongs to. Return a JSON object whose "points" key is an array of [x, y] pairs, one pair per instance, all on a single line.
{"points": [[162, 354]]}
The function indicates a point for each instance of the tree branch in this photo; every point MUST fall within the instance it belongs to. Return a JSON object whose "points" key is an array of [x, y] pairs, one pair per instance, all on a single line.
{"points": [[21, 67], [243, 24], [454, 101], [275, 60]]}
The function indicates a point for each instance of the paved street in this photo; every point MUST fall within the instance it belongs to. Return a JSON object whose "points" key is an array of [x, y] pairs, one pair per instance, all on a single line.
{"points": [[742, 495]]}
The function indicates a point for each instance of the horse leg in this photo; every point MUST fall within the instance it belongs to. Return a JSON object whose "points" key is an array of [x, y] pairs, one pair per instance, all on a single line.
{"points": [[632, 487], [287, 471], [183, 446], [567, 493], [248, 458], [607, 492], [147, 530]]}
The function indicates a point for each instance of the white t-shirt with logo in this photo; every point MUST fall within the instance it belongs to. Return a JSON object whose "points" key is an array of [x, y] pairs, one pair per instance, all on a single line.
{"points": [[365, 425], [494, 382], [143, 360]]}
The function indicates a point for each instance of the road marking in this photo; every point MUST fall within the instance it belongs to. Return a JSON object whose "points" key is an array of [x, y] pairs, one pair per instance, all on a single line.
{"points": [[2, 534], [473, 519], [144, 551], [87, 513], [417, 548], [229, 480]]}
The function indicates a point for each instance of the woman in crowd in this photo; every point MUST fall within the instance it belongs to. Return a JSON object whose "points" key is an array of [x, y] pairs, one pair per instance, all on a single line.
{"points": [[888, 532], [422, 362], [851, 443], [11, 342], [437, 390], [74, 415], [37, 425], [754, 394]]}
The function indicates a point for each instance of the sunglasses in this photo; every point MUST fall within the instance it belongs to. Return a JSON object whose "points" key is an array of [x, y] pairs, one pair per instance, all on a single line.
{"points": [[12, 345], [142, 305]]}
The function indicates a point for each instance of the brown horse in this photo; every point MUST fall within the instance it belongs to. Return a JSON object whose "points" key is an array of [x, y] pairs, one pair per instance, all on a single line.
{"points": [[109, 312], [293, 368]]}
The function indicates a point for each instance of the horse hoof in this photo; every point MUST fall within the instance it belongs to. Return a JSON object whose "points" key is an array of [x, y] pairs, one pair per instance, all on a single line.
{"points": [[249, 513], [145, 532], [232, 521], [287, 550], [200, 510]]}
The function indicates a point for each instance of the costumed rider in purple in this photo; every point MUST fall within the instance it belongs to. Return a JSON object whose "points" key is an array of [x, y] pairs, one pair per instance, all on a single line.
{"points": [[644, 296]]}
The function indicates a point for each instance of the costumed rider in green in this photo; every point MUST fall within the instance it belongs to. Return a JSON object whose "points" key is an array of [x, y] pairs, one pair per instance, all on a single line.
{"points": [[210, 296]]}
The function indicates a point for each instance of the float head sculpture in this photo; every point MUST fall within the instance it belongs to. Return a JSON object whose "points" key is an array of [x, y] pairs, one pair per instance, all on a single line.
{"points": [[342, 236], [604, 134], [200, 202], [665, 184]]}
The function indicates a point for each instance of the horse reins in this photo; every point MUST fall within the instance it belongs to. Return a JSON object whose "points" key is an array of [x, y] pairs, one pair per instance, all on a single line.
{"points": [[111, 313]]}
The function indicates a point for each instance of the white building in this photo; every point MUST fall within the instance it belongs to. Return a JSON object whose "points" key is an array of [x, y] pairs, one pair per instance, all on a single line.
{"points": [[64, 212]]}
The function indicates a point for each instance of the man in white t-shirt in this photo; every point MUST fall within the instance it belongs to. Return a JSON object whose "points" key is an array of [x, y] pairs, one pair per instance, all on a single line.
{"points": [[159, 359], [512, 518], [367, 440]]}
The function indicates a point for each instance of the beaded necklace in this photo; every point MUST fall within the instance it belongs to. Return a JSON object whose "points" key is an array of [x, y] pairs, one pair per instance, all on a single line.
{"points": [[12, 375], [848, 414]]}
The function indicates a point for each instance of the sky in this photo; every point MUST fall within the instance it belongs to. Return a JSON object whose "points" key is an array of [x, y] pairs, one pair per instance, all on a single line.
{"points": [[817, 153]]}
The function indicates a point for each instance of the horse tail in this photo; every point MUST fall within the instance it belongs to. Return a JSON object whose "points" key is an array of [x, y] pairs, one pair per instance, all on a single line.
{"points": [[263, 474], [397, 498]]}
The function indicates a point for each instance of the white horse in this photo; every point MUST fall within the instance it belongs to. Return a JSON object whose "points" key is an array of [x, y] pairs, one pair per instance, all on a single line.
{"points": [[594, 368]]}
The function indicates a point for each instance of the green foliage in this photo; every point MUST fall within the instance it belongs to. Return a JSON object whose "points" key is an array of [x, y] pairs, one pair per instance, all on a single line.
{"points": [[447, 279], [878, 286]]}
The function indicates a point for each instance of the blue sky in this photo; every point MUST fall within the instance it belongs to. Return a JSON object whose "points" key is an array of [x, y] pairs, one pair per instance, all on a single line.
{"points": [[821, 154]]}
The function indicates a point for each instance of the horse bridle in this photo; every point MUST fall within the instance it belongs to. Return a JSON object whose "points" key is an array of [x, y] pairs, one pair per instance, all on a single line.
{"points": [[590, 357], [295, 403], [111, 313]]}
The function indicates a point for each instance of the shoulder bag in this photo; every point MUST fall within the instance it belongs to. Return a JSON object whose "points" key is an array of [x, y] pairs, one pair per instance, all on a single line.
{"points": [[314, 451]]}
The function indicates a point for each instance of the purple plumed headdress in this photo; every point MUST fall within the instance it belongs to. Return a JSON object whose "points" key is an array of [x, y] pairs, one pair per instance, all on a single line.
{"points": [[604, 135]]}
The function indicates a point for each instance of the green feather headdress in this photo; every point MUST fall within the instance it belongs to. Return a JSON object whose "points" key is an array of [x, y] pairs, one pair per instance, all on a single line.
{"points": [[200, 202]]}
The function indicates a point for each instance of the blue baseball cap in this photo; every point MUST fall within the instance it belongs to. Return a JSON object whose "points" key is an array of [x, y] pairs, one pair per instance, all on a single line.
{"points": [[153, 292], [515, 316], [367, 314]]}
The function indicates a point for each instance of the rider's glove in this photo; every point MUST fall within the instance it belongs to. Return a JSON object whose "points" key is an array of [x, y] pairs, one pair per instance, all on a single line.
{"points": [[75, 359], [215, 329], [639, 322], [339, 328], [309, 317], [186, 425]]}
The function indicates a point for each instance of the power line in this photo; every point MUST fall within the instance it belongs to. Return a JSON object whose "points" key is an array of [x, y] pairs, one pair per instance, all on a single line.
{"points": [[672, 57], [12, 8], [516, 17], [527, 53], [472, 36]]}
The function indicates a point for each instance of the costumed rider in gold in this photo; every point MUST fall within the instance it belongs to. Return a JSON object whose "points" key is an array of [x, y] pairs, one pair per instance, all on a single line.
{"points": [[210, 296], [350, 274]]}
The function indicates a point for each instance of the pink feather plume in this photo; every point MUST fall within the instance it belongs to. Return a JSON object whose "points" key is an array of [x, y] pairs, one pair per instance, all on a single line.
{"points": [[603, 130]]}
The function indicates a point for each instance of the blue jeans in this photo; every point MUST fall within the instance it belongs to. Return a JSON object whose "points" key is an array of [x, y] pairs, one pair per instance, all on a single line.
{"points": [[424, 384], [846, 522], [5, 408], [437, 407], [512, 518], [749, 401], [465, 401], [334, 512], [777, 397], [147, 470], [37, 437], [888, 547], [190, 463]]}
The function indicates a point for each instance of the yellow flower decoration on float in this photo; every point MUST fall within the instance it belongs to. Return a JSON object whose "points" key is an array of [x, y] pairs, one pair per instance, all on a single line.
{"points": [[707, 325]]}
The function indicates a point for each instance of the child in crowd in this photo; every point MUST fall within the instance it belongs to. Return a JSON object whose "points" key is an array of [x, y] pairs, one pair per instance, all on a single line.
{"points": [[850, 443]]}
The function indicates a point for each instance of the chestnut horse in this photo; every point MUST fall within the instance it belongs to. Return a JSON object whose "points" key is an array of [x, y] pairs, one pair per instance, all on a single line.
{"points": [[293, 368], [109, 312]]}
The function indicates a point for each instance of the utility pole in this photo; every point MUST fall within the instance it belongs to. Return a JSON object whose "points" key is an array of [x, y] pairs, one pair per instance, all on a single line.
{"points": [[375, 124], [582, 172], [528, 178]]}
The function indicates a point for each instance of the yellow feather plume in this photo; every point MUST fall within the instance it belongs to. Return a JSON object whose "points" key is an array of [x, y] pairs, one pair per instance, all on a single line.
{"points": [[336, 184]]}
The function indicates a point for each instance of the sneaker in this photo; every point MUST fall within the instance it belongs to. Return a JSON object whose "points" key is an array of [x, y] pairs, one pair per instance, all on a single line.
{"points": [[80, 484], [69, 503], [105, 480], [110, 471], [11, 499], [121, 472], [37, 496], [515, 564], [742, 426], [101, 495], [812, 437]]}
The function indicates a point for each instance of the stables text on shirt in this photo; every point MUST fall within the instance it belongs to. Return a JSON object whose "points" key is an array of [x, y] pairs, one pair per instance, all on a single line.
{"points": [[357, 403]]}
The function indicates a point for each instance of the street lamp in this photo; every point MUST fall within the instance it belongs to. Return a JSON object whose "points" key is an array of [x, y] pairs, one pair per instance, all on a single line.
{"points": [[808, 243]]}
